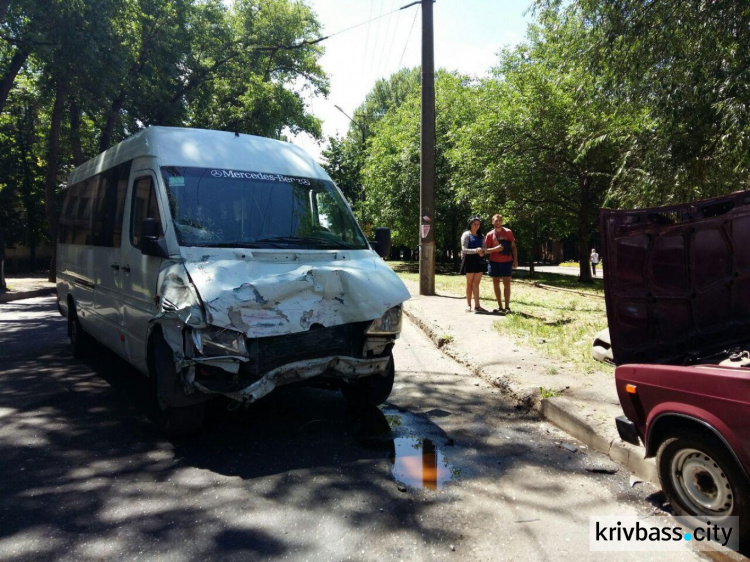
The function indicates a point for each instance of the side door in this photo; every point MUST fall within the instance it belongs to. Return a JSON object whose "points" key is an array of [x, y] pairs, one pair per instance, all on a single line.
{"points": [[139, 272], [106, 229]]}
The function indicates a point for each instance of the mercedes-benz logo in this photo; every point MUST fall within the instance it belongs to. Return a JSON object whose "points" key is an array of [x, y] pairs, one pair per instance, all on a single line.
{"points": [[216, 173]]}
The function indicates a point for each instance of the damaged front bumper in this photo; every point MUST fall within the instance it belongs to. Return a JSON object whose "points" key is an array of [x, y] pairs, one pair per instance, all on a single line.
{"points": [[345, 368]]}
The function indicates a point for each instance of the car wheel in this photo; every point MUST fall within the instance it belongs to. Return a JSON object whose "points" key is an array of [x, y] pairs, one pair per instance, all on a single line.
{"points": [[81, 342], [700, 477], [371, 391], [174, 421]]}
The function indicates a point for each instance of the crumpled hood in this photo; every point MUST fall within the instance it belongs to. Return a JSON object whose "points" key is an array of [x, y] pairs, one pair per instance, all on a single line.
{"points": [[273, 293]]}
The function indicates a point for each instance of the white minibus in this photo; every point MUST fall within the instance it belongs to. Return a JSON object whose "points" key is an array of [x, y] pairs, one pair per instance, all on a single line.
{"points": [[223, 264]]}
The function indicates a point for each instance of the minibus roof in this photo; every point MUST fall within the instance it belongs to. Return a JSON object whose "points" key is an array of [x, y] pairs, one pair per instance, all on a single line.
{"points": [[201, 148]]}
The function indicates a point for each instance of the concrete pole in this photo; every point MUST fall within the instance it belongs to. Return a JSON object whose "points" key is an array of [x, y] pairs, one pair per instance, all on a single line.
{"points": [[427, 158]]}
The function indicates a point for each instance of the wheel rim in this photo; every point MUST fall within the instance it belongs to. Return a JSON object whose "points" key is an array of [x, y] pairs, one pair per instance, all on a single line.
{"points": [[701, 483]]}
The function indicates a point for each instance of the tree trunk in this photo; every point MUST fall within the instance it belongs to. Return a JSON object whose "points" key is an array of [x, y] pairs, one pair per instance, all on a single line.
{"points": [[2, 259], [109, 127], [4, 5], [50, 180], [10, 76], [75, 133]]}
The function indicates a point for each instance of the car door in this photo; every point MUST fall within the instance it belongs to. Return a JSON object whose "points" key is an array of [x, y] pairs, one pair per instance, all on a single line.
{"points": [[139, 272]]}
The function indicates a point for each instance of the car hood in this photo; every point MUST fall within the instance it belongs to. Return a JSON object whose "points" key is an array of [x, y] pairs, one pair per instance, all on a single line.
{"points": [[273, 293], [677, 281]]}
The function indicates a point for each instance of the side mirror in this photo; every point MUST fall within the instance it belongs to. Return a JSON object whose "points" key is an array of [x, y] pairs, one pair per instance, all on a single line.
{"points": [[152, 241], [382, 242]]}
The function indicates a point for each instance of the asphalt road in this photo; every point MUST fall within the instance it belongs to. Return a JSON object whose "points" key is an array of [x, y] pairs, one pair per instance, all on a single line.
{"points": [[446, 470]]}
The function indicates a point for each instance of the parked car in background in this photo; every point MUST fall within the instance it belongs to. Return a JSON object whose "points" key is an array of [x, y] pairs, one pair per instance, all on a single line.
{"points": [[678, 307]]}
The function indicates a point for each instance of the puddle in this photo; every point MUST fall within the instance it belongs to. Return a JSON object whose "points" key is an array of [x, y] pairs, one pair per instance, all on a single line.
{"points": [[417, 463]]}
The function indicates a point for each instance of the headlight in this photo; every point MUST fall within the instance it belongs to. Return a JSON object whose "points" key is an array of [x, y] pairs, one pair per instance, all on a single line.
{"points": [[214, 341], [389, 323]]}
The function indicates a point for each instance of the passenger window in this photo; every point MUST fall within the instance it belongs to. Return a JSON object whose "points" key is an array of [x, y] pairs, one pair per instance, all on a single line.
{"points": [[144, 207]]}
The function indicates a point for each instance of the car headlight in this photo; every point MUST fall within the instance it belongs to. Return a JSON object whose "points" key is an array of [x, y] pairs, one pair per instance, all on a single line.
{"points": [[215, 341], [389, 323]]}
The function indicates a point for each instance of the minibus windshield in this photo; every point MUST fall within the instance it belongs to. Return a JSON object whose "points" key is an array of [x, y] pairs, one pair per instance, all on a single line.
{"points": [[242, 209]]}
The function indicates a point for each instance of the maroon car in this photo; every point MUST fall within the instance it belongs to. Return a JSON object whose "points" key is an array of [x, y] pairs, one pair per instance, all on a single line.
{"points": [[678, 305]]}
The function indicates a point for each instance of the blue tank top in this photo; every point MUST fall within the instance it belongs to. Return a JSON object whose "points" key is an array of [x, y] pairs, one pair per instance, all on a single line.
{"points": [[475, 241]]}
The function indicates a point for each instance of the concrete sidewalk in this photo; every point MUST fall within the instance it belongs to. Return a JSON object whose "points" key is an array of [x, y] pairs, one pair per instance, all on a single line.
{"points": [[585, 405], [26, 287]]}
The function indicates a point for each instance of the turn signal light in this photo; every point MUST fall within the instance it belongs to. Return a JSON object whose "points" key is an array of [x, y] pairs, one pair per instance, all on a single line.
{"points": [[630, 388]]}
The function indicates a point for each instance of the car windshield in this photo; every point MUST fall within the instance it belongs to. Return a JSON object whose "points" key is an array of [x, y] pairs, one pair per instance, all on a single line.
{"points": [[230, 208]]}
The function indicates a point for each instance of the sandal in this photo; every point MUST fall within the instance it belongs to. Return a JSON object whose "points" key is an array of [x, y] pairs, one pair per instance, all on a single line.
{"points": [[468, 309], [479, 309]]}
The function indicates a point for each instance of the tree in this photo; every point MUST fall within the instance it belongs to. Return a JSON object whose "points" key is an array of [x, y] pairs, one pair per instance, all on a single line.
{"points": [[686, 64], [346, 157], [103, 70], [391, 174], [548, 136]]}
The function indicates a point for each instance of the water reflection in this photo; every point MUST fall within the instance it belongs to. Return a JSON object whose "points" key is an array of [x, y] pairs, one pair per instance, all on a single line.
{"points": [[417, 463]]}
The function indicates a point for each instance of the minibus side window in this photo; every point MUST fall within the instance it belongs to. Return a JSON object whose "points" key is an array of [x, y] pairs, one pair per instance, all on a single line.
{"points": [[93, 209], [144, 207], [120, 176]]}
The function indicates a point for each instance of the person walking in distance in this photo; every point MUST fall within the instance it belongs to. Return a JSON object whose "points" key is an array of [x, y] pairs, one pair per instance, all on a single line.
{"points": [[500, 244], [472, 262], [594, 259]]}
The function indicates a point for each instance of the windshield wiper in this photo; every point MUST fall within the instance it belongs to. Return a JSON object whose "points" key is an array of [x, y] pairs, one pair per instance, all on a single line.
{"points": [[311, 240], [228, 245]]}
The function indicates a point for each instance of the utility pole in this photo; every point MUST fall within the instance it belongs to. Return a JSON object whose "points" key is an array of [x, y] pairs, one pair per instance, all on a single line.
{"points": [[427, 158]]}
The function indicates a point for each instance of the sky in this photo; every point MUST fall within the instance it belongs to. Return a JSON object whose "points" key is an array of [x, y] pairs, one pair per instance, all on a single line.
{"points": [[468, 34]]}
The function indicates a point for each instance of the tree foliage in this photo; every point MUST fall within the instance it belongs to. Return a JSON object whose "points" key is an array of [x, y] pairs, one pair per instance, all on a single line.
{"points": [[88, 74]]}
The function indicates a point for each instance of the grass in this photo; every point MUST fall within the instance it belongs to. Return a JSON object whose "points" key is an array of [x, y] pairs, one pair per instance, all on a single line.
{"points": [[553, 313]]}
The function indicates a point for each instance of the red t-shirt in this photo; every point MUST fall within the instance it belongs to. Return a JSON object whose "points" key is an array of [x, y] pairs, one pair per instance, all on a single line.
{"points": [[504, 237]]}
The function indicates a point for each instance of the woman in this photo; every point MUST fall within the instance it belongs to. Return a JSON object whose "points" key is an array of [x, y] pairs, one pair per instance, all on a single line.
{"points": [[472, 262]]}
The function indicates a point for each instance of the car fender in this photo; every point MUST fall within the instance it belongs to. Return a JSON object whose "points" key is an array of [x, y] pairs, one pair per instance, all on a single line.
{"points": [[671, 410]]}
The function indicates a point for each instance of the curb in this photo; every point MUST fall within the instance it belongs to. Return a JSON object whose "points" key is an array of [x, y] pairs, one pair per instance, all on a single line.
{"points": [[14, 296], [561, 412], [558, 411]]}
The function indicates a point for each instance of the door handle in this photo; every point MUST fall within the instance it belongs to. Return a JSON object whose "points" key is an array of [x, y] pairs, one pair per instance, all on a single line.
{"points": [[126, 268], [115, 266]]}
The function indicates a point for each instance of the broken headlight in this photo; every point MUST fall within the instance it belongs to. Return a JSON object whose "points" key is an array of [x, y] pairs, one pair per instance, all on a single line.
{"points": [[389, 323], [215, 341]]}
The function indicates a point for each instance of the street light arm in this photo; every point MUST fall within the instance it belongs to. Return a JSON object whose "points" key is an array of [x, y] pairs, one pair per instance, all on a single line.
{"points": [[360, 127]]}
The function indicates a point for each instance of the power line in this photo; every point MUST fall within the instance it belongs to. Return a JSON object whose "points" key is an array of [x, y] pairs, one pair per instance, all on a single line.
{"points": [[407, 39], [367, 43], [387, 43]]}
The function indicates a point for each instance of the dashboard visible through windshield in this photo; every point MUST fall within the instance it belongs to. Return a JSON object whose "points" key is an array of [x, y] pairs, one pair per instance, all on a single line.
{"points": [[243, 209]]}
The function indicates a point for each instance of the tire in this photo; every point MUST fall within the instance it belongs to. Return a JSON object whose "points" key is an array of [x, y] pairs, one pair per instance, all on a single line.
{"points": [[701, 478], [173, 421], [81, 342], [371, 391]]}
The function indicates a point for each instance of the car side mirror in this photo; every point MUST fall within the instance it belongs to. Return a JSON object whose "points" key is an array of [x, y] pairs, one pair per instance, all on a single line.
{"points": [[382, 242], [152, 240]]}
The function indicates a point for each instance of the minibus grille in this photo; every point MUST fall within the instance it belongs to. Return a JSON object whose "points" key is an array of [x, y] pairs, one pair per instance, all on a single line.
{"points": [[269, 353]]}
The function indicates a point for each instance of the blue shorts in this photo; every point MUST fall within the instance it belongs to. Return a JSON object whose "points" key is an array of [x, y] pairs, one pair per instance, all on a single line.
{"points": [[500, 268]]}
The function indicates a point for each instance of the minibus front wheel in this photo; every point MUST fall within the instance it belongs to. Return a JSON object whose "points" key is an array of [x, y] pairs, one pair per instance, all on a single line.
{"points": [[174, 420], [371, 391]]}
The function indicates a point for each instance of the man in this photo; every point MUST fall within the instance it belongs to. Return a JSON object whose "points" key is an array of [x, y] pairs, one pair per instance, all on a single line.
{"points": [[594, 261], [501, 247]]}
